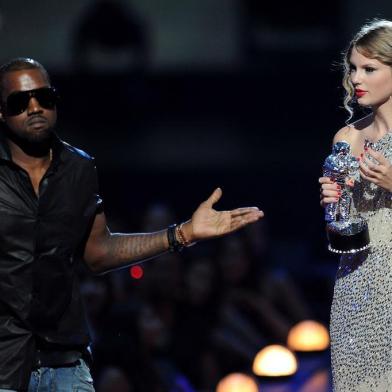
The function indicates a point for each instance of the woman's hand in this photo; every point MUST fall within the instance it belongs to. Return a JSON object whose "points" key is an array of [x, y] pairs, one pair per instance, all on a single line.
{"points": [[330, 191], [379, 173]]}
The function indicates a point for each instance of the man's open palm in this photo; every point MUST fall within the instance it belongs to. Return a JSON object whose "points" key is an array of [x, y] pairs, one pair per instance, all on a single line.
{"points": [[207, 222]]}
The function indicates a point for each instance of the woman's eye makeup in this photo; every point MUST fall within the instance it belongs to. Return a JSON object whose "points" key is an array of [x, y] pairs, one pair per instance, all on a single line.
{"points": [[367, 69]]}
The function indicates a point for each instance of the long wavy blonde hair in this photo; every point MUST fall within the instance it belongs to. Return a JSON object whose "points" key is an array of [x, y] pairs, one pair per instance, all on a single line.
{"points": [[374, 41]]}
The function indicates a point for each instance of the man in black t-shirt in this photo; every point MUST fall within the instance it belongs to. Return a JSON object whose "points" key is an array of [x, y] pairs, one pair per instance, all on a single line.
{"points": [[51, 216]]}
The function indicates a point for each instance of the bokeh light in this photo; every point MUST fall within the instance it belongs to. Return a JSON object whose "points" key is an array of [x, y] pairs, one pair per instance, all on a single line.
{"points": [[275, 361], [237, 382], [136, 272], [308, 336]]}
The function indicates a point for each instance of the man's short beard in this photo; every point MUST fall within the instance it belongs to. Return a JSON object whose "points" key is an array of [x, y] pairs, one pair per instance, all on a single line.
{"points": [[32, 137], [33, 143]]}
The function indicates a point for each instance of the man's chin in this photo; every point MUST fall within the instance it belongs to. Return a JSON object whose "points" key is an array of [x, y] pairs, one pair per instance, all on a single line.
{"points": [[36, 136]]}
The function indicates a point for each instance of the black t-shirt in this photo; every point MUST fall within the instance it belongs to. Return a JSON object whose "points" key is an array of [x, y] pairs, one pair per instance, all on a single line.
{"points": [[41, 242]]}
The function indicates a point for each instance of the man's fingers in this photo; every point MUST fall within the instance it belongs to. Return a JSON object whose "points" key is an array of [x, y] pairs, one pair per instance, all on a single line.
{"points": [[244, 219], [247, 212], [215, 196]]}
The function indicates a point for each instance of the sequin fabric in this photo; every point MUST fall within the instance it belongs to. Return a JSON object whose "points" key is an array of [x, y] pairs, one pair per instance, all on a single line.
{"points": [[361, 314]]}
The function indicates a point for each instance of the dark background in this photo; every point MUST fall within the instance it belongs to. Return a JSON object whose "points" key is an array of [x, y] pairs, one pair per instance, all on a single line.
{"points": [[175, 98]]}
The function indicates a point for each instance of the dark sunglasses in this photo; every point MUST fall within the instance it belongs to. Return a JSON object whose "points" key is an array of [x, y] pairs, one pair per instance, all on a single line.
{"points": [[18, 101]]}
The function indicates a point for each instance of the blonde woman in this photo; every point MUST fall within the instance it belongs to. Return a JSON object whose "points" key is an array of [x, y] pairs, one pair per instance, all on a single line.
{"points": [[361, 315]]}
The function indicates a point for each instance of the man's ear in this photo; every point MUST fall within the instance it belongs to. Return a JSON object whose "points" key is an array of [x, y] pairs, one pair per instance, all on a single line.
{"points": [[2, 119]]}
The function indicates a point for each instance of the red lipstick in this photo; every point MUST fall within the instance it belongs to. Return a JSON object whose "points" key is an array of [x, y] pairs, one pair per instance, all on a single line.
{"points": [[359, 93]]}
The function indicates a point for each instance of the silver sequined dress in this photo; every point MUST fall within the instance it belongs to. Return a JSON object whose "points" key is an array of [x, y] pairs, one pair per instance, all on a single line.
{"points": [[361, 315]]}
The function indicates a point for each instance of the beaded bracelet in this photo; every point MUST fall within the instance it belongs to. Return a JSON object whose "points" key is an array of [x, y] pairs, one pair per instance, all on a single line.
{"points": [[181, 236]]}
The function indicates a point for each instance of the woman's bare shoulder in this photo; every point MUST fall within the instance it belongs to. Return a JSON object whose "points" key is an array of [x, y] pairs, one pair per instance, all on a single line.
{"points": [[353, 131], [345, 133]]}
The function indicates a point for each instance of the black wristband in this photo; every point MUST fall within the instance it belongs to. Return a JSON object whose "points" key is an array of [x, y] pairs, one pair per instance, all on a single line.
{"points": [[174, 245]]}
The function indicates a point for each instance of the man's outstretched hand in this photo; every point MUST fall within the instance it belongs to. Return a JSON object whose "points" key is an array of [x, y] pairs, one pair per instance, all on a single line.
{"points": [[209, 223]]}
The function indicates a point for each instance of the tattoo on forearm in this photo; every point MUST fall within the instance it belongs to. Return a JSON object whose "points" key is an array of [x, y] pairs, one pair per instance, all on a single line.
{"points": [[123, 249]]}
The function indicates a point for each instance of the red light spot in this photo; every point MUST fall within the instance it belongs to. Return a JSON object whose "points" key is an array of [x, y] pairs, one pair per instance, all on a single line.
{"points": [[136, 272]]}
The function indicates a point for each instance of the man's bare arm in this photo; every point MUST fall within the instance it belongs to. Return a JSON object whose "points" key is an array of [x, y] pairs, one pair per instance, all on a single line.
{"points": [[106, 251]]}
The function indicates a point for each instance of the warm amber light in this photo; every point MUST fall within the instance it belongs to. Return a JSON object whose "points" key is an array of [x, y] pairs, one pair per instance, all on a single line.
{"points": [[275, 361], [237, 382], [308, 336]]}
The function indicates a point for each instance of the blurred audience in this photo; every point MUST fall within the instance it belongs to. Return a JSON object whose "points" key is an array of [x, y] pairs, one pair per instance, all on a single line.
{"points": [[192, 317]]}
